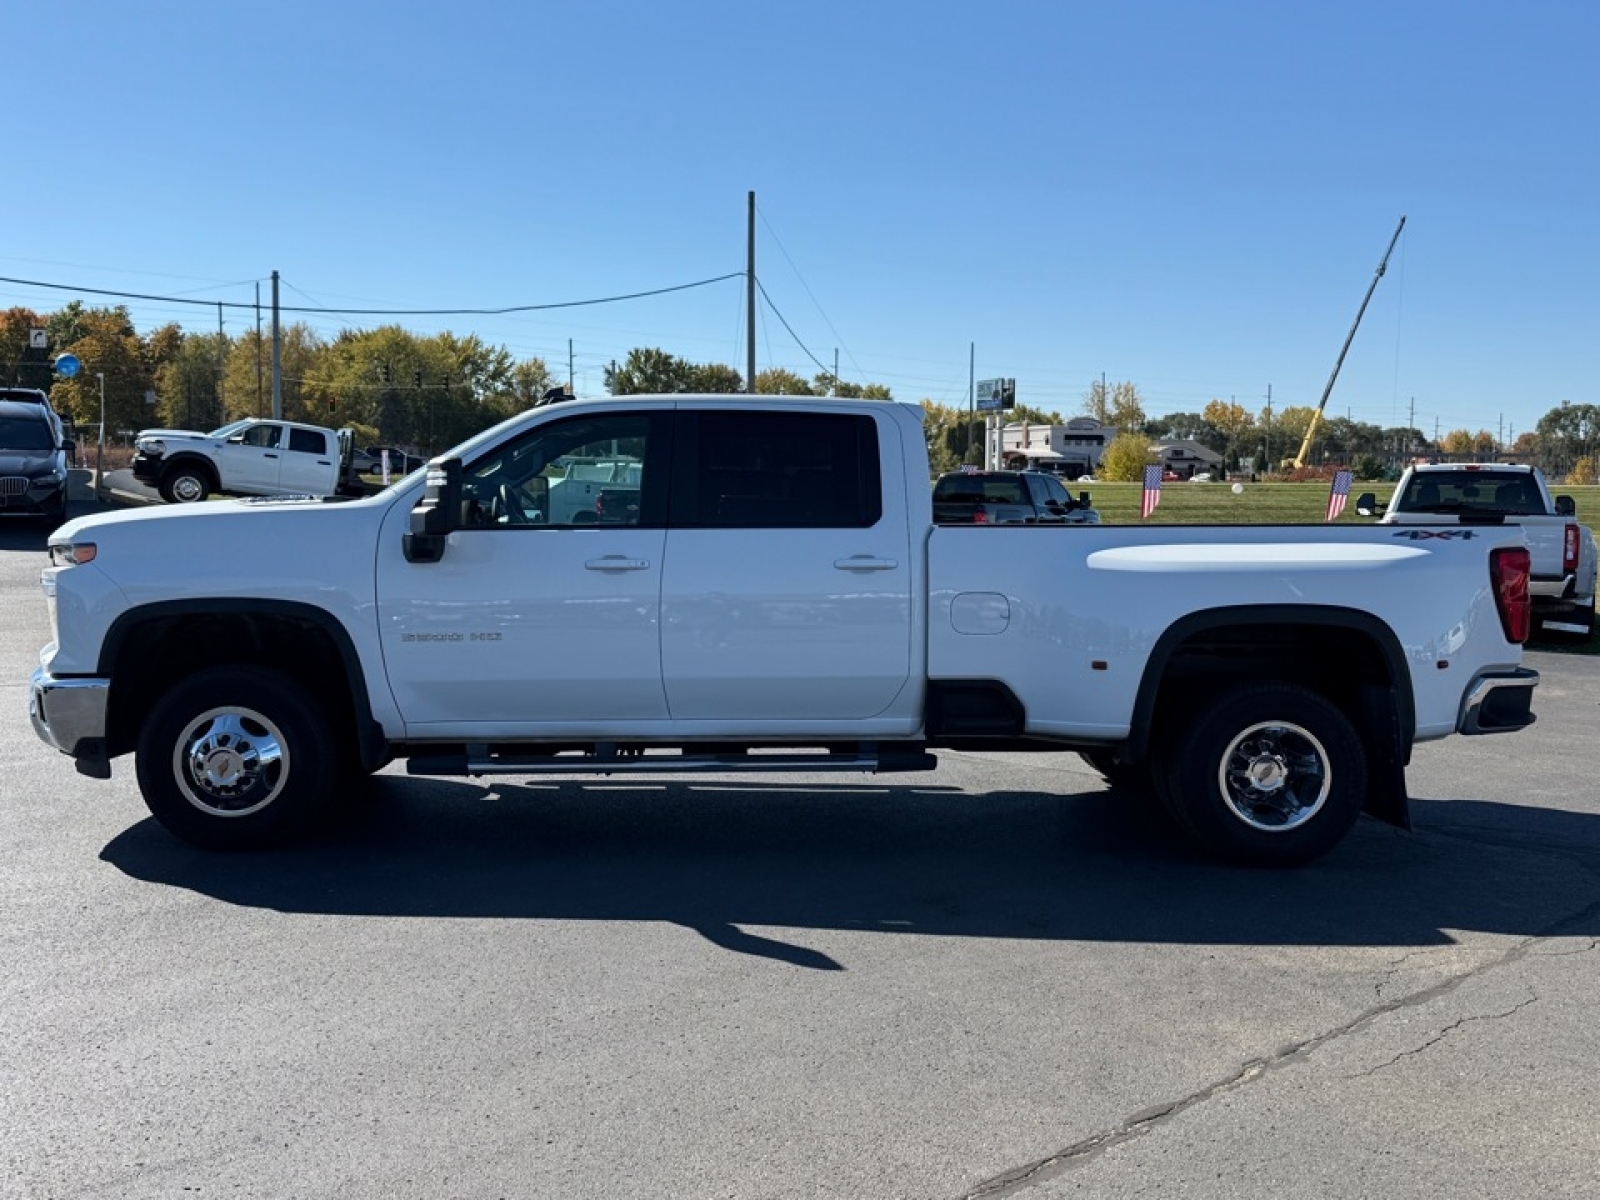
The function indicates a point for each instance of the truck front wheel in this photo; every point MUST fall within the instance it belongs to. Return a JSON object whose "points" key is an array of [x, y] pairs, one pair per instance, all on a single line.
{"points": [[185, 485], [237, 758], [1269, 775]]}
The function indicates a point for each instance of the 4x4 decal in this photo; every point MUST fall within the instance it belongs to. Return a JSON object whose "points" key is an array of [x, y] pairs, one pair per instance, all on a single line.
{"points": [[1417, 535]]}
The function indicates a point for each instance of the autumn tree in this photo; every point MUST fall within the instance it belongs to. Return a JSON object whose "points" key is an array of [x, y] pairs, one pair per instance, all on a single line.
{"points": [[188, 373], [106, 343], [1119, 406], [775, 381], [1232, 420], [1126, 458], [950, 434], [20, 364]]}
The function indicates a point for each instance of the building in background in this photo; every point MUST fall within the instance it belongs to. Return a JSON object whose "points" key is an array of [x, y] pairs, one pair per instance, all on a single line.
{"points": [[1069, 450]]}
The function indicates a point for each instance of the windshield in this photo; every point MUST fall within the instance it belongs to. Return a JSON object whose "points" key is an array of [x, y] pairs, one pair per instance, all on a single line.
{"points": [[230, 427], [26, 434]]}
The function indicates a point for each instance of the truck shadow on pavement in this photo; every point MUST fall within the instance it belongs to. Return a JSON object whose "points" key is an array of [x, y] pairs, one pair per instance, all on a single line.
{"points": [[721, 858]]}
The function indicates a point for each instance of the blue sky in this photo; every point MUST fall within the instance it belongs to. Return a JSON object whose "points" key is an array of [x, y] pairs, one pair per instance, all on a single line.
{"points": [[1192, 197]]}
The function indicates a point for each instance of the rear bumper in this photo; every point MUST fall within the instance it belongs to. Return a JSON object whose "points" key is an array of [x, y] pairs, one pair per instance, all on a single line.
{"points": [[1499, 702], [70, 714]]}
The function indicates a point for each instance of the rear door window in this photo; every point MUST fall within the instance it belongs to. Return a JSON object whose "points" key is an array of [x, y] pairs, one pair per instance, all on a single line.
{"points": [[778, 470]]}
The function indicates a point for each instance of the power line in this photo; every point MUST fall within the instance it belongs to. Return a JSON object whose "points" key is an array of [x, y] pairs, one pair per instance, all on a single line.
{"points": [[826, 370], [379, 312]]}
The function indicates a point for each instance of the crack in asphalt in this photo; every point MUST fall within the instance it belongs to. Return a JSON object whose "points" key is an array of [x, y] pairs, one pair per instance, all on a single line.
{"points": [[1142, 1122], [1441, 1035]]}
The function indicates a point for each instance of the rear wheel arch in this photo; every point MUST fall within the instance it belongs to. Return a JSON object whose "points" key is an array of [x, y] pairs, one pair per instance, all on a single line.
{"points": [[1332, 650]]}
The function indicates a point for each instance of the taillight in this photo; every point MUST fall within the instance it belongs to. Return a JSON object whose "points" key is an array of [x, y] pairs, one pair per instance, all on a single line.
{"points": [[979, 517], [1569, 550], [1509, 570]]}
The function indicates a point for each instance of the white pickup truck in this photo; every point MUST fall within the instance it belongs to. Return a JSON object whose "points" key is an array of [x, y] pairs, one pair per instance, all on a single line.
{"points": [[770, 594], [1563, 551], [252, 457]]}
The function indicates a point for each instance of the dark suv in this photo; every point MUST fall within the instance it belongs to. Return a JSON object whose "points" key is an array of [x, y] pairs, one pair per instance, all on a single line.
{"points": [[33, 462]]}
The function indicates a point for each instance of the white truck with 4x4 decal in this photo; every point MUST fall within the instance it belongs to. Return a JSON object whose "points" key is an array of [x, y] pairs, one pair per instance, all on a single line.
{"points": [[252, 457], [765, 591], [1564, 562]]}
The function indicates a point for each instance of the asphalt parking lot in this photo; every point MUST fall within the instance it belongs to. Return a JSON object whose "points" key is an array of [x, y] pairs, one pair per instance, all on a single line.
{"points": [[988, 981]]}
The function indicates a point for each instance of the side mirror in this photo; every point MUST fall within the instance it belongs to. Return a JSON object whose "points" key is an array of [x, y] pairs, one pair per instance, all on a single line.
{"points": [[1367, 504], [1565, 507], [436, 514], [1083, 500]]}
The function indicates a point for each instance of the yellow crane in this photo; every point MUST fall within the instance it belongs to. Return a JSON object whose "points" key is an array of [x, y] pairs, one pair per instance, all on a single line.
{"points": [[1316, 417]]}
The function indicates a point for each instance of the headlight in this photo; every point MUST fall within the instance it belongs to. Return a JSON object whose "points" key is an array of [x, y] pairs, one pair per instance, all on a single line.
{"points": [[71, 554], [154, 447]]}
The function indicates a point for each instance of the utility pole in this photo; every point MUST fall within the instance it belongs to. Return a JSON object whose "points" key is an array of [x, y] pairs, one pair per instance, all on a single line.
{"points": [[972, 398], [572, 387], [750, 302], [833, 390], [1266, 449], [277, 356], [260, 406], [222, 369]]}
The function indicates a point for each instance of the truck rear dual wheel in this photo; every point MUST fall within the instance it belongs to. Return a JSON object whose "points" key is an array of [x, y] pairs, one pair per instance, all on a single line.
{"points": [[238, 758], [1270, 775]]}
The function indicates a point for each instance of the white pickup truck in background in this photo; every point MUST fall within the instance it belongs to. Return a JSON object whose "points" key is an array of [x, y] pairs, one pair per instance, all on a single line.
{"points": [[1563, 551], [252, 457], [767, 593]]}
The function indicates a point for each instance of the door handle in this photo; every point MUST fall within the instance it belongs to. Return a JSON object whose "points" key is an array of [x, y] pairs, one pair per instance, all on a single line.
{"points": [[269, 456], [864, 562], [616, 562]]}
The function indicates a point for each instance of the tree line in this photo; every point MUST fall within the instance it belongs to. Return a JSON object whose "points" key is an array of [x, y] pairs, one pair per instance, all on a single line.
{"points": [[426, 393]]}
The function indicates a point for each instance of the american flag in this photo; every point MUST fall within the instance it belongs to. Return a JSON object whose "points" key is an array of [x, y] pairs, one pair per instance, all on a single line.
{"points": [[1152, 491], [1340, 493]]}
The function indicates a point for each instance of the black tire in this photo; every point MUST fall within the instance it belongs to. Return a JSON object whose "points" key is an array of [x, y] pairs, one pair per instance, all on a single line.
{"points": [[238, 758], [55, 514], [1269, 775], [185, 485]]}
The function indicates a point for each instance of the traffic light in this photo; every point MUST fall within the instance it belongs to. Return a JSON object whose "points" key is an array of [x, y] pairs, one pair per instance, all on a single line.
{"points": [[332, 404], [388, 375], [417, 378]]}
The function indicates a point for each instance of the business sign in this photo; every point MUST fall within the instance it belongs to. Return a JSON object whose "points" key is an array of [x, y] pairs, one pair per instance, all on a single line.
{"points": [[996, 395]]}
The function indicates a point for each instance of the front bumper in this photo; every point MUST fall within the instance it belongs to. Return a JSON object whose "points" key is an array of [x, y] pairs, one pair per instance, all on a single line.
{"points": [[147, 469], [31, 497], [1499, 702], [70, 714]]}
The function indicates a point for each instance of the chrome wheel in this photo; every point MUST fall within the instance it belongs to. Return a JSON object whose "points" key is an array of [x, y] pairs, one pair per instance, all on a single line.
{"points": [[187, 489], [230, 762], [1275, 776]]}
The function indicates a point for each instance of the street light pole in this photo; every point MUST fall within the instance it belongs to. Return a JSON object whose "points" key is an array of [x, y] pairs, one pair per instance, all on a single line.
{"points": [[100, 450]]}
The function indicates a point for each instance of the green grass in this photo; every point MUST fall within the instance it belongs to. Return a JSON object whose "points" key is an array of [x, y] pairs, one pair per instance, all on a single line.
{"points": [[1259, 503]]}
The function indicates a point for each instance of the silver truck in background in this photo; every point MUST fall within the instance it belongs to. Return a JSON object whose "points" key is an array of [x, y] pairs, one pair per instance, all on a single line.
{"points": [[1563, 551]]}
